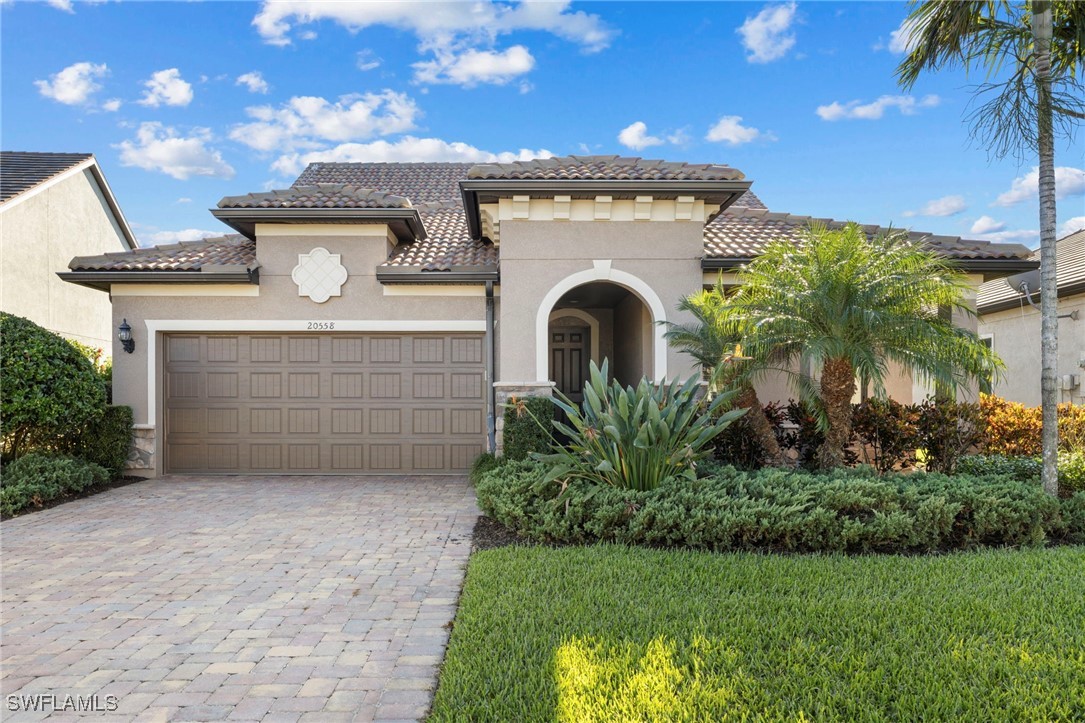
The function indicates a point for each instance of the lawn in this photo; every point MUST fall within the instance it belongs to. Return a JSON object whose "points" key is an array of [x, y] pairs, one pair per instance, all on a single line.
{"points": [[606, 633]]}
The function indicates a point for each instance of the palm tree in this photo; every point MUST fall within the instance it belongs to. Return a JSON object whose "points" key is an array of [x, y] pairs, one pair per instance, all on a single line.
{"points": [[712, 340], [1041, 44], [852, 306]]}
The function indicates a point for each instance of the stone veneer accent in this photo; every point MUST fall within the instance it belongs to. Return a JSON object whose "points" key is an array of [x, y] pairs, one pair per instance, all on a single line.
{"points": [[504, 391], [141, 453]]}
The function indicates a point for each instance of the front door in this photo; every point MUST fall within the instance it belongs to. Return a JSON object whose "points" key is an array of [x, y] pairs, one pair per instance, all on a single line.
{"points": [[569, 357]]}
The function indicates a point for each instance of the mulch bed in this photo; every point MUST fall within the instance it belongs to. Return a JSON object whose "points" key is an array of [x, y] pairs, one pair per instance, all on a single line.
{"points": [[89, 492], [490, 534]]}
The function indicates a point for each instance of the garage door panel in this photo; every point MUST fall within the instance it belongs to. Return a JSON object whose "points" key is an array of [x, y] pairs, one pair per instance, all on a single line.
{"points": [[350, 403]]}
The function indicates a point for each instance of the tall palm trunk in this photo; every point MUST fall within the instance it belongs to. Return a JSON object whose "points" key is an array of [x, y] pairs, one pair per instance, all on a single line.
{"points": [[760, 426], [837, 389], [1049, 322]]}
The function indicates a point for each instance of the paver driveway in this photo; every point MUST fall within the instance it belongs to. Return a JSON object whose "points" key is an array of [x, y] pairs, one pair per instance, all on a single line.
{"points": [[241, 598]]}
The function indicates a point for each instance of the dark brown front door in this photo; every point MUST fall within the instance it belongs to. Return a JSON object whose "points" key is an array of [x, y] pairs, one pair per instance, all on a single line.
{"points": [[569, 360]]}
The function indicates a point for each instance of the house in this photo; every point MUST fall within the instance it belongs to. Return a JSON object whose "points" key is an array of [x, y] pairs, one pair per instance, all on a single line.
{"points": [[374, 317], [54, 206], [1010, 321]]}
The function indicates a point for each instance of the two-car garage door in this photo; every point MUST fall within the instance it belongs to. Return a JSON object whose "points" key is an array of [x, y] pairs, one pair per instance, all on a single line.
{"points": [[323, 403]]}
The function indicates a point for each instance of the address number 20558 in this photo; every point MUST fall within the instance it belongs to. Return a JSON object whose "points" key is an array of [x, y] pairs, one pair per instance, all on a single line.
{"points": [[320, 325]]}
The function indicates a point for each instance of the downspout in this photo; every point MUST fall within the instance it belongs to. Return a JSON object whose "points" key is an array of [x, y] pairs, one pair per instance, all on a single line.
{"points": [[491, 401]]}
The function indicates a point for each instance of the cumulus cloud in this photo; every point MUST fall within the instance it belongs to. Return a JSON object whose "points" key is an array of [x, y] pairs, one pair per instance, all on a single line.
{"points": [[1071, 225], [1026, 237], [74, 85], [65, 5], [1069, 181], [636, 136], [408, 148], [306, 122], [254, 81], [471, 67], [729, 129], [944, 206], [166, 87], [986, 224], [171, 237], [367, 60], [857, 110], [112, 105], [163, 149], [904, 38], [765, 35]]}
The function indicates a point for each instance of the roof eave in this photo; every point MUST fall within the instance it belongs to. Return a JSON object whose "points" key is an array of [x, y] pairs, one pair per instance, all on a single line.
{"points": [[479, 275], [405, 223], [990, 268], [103, 280], [1015, 302]]}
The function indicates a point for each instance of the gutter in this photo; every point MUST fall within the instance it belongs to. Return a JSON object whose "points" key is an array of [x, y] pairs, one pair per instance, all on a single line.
{"points": [[415, 276], [1017, 301], [102, 280], [405, 222], [491, 398]]}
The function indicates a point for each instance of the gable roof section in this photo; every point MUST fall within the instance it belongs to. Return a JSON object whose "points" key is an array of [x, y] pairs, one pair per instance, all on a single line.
{"points": [[998, 295], [24, 173], [604, 168]]}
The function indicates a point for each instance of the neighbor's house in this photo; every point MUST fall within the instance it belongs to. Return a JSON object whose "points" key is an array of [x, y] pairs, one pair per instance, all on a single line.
{"points": [[1012, 326], [54, 206], [375, 317]]}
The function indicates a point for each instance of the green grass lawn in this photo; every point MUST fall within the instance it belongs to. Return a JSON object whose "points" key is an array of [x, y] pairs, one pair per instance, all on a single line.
{"points": [[608, 633]]}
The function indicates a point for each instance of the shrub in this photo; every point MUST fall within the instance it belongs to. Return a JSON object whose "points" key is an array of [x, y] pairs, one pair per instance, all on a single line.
{"points": [[1014, 429], [1022, 469], [1071, 472], [737, 445], [482, 464], [527, 427], [105, 441], [636, 438], [946, 431], [805, 438], [48, 387], [842, 511], [888, 430], [34, 479]]}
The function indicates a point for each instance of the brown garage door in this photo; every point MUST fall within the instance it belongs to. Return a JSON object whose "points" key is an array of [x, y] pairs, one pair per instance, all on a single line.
{"points": [[323, 403]]}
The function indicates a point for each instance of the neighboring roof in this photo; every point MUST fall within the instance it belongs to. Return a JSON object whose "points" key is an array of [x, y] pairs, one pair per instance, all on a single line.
{"points": [[21, 170], [739, 234], [188, 256], [320, 195], [605, 168], [998, 295]]}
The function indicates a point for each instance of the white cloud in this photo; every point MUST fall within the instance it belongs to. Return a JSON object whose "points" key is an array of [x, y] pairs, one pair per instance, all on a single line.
{"points": [[904, 38], [765, 35], [944, 206], [65, 5], [906, 104], [1069, 181], [986, 224], [161, 148], [471, 67], [183, 199], [171, 237], [306, 121], [367, 60], [407, 148], [1027, 237], [75, 84], [1071, 225], [112, 105], [636, 136], [168, 88], [254, 81], [729, 129]]}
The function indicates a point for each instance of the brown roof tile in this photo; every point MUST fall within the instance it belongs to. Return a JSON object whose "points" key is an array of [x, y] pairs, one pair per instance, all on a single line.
{"points": [[318, 195], [605, 168], [233, 250], [449, 245], [22, 170]]}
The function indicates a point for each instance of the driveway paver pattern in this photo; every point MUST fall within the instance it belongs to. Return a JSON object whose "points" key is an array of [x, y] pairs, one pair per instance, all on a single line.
{"points": [[237, 598]]}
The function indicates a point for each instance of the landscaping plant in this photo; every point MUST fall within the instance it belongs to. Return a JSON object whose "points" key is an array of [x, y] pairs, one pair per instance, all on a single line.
{"points": [[947, 430], [635, 437], [527, 427], [35, 479], [888, 432]]}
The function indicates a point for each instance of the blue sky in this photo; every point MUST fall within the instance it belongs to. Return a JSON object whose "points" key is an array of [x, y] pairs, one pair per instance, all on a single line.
{"points": [[185, 102]]}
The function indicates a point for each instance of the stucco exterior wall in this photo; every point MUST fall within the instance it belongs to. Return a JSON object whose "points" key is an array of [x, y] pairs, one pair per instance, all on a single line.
{"points": [[39, 235], [1015, 336]]}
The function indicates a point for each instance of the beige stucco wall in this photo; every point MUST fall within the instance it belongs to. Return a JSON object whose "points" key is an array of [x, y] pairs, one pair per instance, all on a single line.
{"points": [[39, 235], [1016, 338]]}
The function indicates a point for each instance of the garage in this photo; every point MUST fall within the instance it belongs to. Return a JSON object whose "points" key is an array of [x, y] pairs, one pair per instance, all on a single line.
{"points": [[323, 403]]}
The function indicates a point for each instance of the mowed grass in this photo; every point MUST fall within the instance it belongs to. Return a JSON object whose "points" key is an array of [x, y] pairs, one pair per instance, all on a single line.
{"points": [[608, 633]]}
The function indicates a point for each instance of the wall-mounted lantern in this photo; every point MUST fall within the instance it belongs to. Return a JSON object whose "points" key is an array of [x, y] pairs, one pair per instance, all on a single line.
{"points": [[124, 334]]}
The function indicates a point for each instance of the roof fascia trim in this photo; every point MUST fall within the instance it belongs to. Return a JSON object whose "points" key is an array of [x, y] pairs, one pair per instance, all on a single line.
{"points": [[415, 276], [102, 280], [406, 222]]}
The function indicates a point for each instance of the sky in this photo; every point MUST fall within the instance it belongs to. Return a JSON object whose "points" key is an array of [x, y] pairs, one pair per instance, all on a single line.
{"points": [[183, 103]]}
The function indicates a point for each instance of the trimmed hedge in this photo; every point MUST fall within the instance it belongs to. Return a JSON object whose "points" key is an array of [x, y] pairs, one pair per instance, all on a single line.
{"points": [[527, 427], [34, 479], [1028, 469], [106, 441], [845, 511]]}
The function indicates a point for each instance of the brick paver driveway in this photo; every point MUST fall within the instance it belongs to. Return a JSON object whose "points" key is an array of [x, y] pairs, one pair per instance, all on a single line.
{"points": [[241, 598]]}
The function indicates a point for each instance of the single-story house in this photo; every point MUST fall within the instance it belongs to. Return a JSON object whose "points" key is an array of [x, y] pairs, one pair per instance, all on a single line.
{"points": [[1010, 322], [54, 206], [374, 317]]}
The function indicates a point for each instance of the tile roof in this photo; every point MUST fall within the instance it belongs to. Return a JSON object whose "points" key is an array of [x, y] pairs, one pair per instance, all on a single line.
{"points": [[22, 170], [232, 250], [420, 182], [1069, 270], [448, 246], [744, 233], [605, 168], [318, 195]]}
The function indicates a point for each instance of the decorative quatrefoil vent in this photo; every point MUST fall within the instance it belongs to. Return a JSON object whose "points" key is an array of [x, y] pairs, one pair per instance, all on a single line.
{"points": [[319, 275]]}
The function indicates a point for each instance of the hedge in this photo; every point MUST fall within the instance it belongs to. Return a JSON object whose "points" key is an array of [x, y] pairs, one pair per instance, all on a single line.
{"points": [[35, 479], [778, 510], [106, 440], [527, 427]]}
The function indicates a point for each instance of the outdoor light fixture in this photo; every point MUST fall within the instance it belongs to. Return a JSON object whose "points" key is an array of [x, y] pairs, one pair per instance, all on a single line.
{"points": [[124, 334]]}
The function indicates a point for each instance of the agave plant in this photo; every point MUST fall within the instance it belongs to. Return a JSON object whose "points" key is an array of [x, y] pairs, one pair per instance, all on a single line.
{"points": [[635, 438]]}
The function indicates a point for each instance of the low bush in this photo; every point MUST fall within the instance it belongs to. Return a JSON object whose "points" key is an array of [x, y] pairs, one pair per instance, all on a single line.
{"points": [[1071, 472], [1013, 429], [738, 446], [105, 441], [482, 464], [1022, 469], [888, 431], [946, 431], [528, 427], [35, 479], [845, 511]]}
